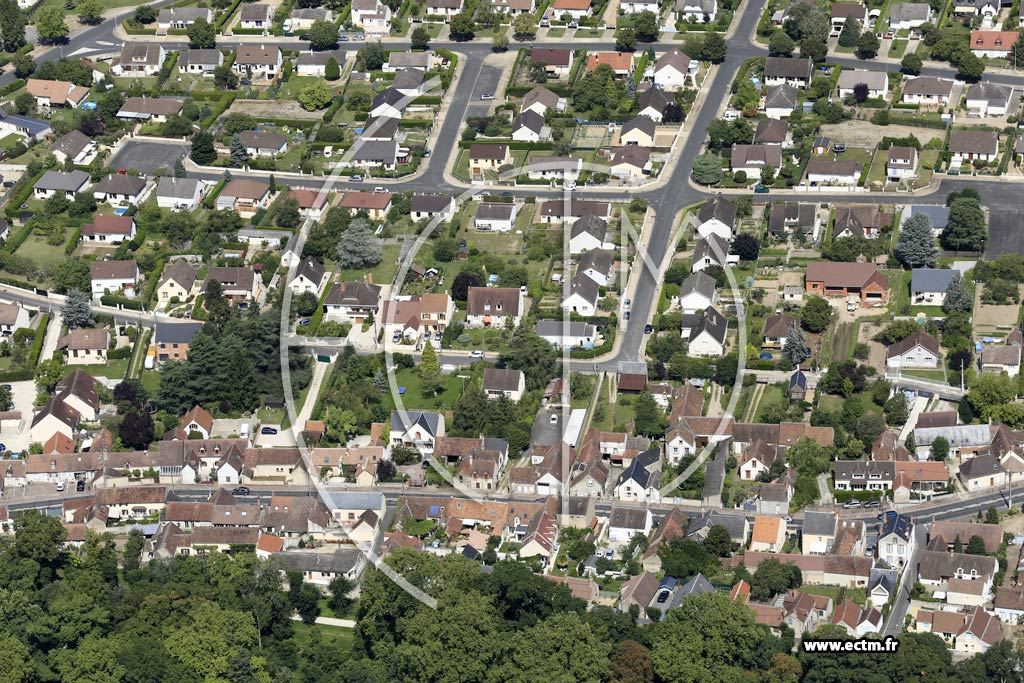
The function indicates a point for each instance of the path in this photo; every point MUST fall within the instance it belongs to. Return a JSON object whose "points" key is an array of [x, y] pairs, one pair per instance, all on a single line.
{"points": [[52, 337], [329, 621], [755, 398], [319, 372]]}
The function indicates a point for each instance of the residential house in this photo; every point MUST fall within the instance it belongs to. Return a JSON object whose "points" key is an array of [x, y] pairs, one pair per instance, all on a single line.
{"points": [[696, 11], [1001, 358], [901, 164], [822, 171], [576, 9], [416, 429], [988, 99], [114, 277], [653, 103], [201, 62], [484, 157], [172, 340], [258, 60], [717, 216], [626, 522], [177, 282], [587, 233], [674, 70], [58, 182], [424, 207], [909, 15], [751, 159], [927, 91], [710, 251], [567, 335], [119, 189], [621, 63], [769, 534], [352, 302], [780, 101], [973, 146], [498, 382], [862, 280], [841, 11], [239, 284], [776, 330], [554, 211], [772, 132], [861, 221], [789, 217], [140, 59], [24, 126], [983, 472], [638, 131], [863, 475], [109, 229], [13, 317], [315, 63], [993, 44], [795, 71], [705, 333], [631, 163], [181, 17], [530, 127], [76, 146], [540, 100], [155, 109], [372, 16], [495, 216], [582, 297], [597, 264], [928, 285], [964, 441], [389, 103], [895, 540], [85, 346], [179, 194], [877, 82], [697, 293], [255, 16], [244, 196], [310, 277], [311, 202], [56, 93], [818, 532], [557, 61], [263, 143]]}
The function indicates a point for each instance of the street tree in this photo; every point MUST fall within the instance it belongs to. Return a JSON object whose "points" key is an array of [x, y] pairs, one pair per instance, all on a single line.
{"points": [[625, 40], [373, 56], [358, 247], [965, 229], [916, 247], [970, 67], [77, 311], [202, 35], [524, 27], [420, 38], [499, 43], [203, 152], [912, 63], [813, 49], [867, 45], [145, 14], [239, 155], [323, 35], [461, 27], [780, 44], [646, 26], [713, 49], [90, 11], [24, 65], [50, 26]]}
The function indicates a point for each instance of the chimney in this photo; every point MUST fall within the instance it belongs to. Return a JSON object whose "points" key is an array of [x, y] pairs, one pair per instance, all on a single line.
{"points": [[369, 278]]}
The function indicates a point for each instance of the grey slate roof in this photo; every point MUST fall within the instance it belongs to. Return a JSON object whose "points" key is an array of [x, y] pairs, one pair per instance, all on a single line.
{"points": [[705, 249], [720, 208], [931, 279], [699, 283], [405, 419], [597, 259], [642, 123], [311, 269], [818, 523], [939, 215], [60, 181], [897, 524], [176, 333], [644, 469], [556, 328], [782, 96], [957, 436], [980, 466], [590, 224], [177, 188], [787, 67], [341, 561]]}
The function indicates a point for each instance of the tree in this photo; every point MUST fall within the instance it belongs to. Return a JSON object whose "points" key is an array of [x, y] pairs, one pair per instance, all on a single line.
{"points": [[373, 55], [332, 71], [145, 14], [867, 45], [77, 311], [50, 26], [989, 390], [90, 11], [685, 557], [203, 152], [202, 34], [817, 315], [940, 448], [970, 67], [718, 541], [912, 63], [780, 44], [631, 663], [305, 304], [72, 274], [707, 169], [713, 49], [323, 35], [462, 282], [420, 38], [965, 230], [499, 43], [339, 588], [461, 27], [531, 354], [358, 247], [992, 516], [25, 104], [625, 40], [239, 155], [772, 577], [767, 175], [916, 247], [12, 28], [430, 371], [315, 96], [648, 415], [288, 214], [136, 429], [224, 78], [850, 33], [795, 346], [24, 65], [813, 49], [896, 412], [958, 297], [975, 546], [746, 246], [524, 27]]}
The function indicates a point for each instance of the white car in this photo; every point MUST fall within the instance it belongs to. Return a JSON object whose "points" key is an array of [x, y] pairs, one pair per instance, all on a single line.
{"points": [[476, 354], [487, 96], [380, 190], [60, 486], [554, 418]]}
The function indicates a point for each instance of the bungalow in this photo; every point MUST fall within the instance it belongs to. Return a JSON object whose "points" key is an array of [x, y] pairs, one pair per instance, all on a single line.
{"points": [[993, 44], [59, 182], [12, 317], [109, 229], [258, 60], [352, 302], [540, 100], [973, 145], [263, 143], [751, 159], [696, 11], [240, 285], [988, 99], [788, 217], [255, 16], [114, 277], [179, 194], [409, 82], [860, 221], [389, 103], [772, 132], [780, 101], [321, 568], [621, 63], [776, 330], [181, 17], [557, 61], [33, 129], [901, 164], [795, 71], [498, 382], [705, 333], [919, 350], [202, 62], [56, 93], [530, 127], [822, 171], [375, 204], [311, 202], [841, 11], [310, 277], [85, 346], [119, 189], [862, 280], [631, 163], [303, 18], [697, 293], [372, 16], [514, 7], [575, 9], [483, 157], [315, 63], [582, 297], [674, 70], [877, 82], [385, 154], [638, 6], [494, 306], [172, 340], [176, 282], [444, 8], [1001, 358], [76, 146], [429, 206], [928, 285], [986, 9], [638, 131], [381, 128], [244, 196], [928, 91], [717, 216], [566, 334], [587, 233], [652, 103], [555, 211], [140, 59], [155, 109], [982, 473], [397, 60], [909, 15], [495, 216]]}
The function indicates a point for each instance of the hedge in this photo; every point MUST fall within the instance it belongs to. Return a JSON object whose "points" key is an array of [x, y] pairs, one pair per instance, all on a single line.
{"points": [[119, 354], [217, 109], [18, 238], [604, 348], [37, 344], [72, 244], [844, 496], [16, 84], [153, 281], [210, 200], [512, 144], [17, 375], [124, 302], [219, 22], [429, 100], [131, 30]]}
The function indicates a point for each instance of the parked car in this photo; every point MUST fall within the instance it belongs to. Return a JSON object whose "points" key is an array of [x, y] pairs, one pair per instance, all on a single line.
{"points": [[850, 504], [476, 354], [396, 337], [761, 189], [80, 485], [554, 418], [648, 328], [487, 96], [268, 430], [380, 190], [355, 178], [60, 486], [240, 491], [872, 504]]}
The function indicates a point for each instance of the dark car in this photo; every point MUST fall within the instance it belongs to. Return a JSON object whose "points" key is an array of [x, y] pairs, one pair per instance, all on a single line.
{"points": [[648, 328], [268, 430], [80, 485], [240, 491], [761, 189]]}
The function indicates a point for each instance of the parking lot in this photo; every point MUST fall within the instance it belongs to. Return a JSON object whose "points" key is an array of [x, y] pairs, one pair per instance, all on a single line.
{"points": [[1004, 233], [148, 157]]}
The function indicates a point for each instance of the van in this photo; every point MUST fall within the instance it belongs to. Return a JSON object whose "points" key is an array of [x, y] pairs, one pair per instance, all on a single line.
{"points": [[731, 115], [243, 431], [851, 304], [328, 151]]}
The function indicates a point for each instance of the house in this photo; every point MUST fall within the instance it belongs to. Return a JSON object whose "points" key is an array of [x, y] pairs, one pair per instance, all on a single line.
{"points": [[202, 62], [818, 532], [798, 386], [621, 63], [895, 540], [631, 163], [862, 280], [757, 460], [919, 350], [696, 11], [255, 61], [822, 171], [56, 93], [918, 480], [495, 216], [710, 251], [557, 61], [416, 429], [255, 16], [841, 11], [576, 9], [352, 302], [181, 17], [494, 307], [626, 522], [179, 194], [938, 569], [909, 15], [385, 154], [1002, 358], [409, 82], [637, 6], [943, 535], [172, 340], [372, 16], [769, 534], [789, 217], [54, 182], [109, 229], [776, 330], [119, 189], [444, 8], [484, 157], [860, 221], [638, 131], [697, 293], [795, 71], [597, 264], [315, 63], [986, 9], [425, 60], [554, 211], [263, 143], [863, 475], [1009, 604], [674, 70], [498, 382], [988, 99], [927, 91], [652, 103], [587, 233], [717, 216], [24, 126], [76, 146], [751, 159], [993, 44], [389, 103], [540, 100], [529, 127], [310, 277], [514, 7], [12, 317], [239, 284], [772, 132], [85, 346], [981, 473], [780, 101], [876, 81], [424, 207], [582, 297], [140, 59], [177, 282], [244, 196], [882, 586], [901, 164], [566, 334], [199, 421], [303, 18], [381, 128], [705, 333], [965, 441], [114, 277], [938, 215], [311, 202], [928, 285], [973, 145]]}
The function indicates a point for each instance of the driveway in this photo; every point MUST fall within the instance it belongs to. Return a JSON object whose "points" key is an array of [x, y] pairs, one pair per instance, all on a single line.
{"points": [[148, 157], [24, 395]]}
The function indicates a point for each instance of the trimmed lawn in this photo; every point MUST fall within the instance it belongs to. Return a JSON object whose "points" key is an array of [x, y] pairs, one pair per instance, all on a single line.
{"points": [[837, 593], [151, 380], [413, 397], [903, 299], [383, 273], [898, 47], [483, 338], [114, 369], [36, 249], [772, 396], [332, 635], [929, 375]]}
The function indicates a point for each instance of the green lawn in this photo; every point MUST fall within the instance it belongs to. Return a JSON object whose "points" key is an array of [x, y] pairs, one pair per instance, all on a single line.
{"points": [[772, 397], [484, 338], [903, 300], [837, 593], [36, 249], [114, 369], [899, 46], [332, 635], [383, 273], [928, 375], [151, 380], [413, 397]]}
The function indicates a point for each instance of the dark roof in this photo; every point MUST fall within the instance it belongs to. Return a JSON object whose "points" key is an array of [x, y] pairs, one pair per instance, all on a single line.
{"points": [[973, 141], [655, 98], [710, 321], [699, 283], [931, 279], [779, 325], [980, 466], [782, 96], [341, 561], [118, 183], [528, 119], [771, 131], [787, 67], [919, 338], [71, 143], [641, 123], [927, 85], [391, 97], [591, 224], [596, 259], [719, 207], [485, 151], [59, 180], [176, 333], [627, 518], [895, 523], [501, 379], [430, 203], [353, 294]]}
